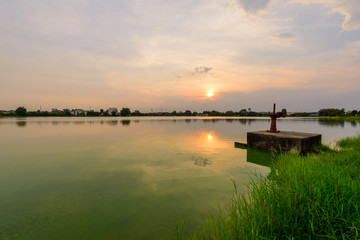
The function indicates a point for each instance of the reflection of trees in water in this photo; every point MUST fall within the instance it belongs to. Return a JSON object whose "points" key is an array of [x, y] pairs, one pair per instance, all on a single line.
{"points": [[354, 123], [243, 121], [232, 120], [307, 119], [41, 122], [212, 120], [204, 120], [79, 122], [331, 122], [112, 122], [201, 161], [249, 121], [125, 122], [21, 124]]}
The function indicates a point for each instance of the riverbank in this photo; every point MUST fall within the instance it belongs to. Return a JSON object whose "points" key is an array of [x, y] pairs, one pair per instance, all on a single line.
{"points": [[310, 197], [344, 118]]}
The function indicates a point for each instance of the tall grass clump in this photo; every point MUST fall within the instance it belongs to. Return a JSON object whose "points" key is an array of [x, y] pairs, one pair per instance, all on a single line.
{"points": [[304, 197]]}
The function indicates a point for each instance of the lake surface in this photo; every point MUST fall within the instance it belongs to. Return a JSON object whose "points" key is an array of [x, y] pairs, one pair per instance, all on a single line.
{"points": [[127, 178]]}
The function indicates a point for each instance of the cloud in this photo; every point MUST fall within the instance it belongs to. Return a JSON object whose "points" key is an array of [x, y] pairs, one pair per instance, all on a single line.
{"points": [[252, 6], [283, 36], [351, 11], [349, 8], [202, 69]]}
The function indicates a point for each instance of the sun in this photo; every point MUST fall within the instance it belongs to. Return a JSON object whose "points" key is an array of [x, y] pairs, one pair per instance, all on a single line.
{"points": [[210, 94]]}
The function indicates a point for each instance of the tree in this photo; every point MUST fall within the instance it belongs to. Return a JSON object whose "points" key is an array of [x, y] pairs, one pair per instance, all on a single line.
{"points": [[243, 112], [251, 113], [67, 112], [229, 113], [354, 113], [136, 113], [188, 113], [125, 112], [92, 113], [20, 111], [331, 112]]}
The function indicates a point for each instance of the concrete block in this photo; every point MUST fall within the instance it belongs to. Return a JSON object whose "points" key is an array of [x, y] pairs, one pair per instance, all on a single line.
{"points": [[283, 141]]}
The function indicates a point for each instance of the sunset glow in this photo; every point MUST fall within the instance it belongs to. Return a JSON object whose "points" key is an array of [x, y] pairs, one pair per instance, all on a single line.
{"points": [[210, 94]]}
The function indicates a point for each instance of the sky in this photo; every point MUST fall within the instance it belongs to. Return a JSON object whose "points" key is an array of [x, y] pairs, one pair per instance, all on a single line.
{"points": [[166, 55]]}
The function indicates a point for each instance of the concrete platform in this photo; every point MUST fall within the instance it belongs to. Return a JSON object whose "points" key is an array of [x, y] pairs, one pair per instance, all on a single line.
{"points": [[283, 141], [243, 145]]}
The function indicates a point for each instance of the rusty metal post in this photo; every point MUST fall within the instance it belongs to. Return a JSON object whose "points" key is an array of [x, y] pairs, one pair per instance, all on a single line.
{"points": [[273, 128], [274, 109], [273, 117]]}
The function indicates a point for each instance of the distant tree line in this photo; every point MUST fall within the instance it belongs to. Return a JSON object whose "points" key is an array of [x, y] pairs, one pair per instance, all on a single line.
{"points": [[334, 112], [21, 111], [242, 112], [331, 112]]}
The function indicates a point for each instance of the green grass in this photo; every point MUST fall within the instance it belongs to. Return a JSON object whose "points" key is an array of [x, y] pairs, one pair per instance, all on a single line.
{"points": [[304, 197]]}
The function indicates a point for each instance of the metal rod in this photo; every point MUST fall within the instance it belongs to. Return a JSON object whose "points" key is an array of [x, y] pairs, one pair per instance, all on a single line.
{"points": [[274, 109]]}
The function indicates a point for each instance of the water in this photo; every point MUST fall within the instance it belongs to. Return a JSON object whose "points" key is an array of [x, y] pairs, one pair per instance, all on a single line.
{"points": [[127, 178]]}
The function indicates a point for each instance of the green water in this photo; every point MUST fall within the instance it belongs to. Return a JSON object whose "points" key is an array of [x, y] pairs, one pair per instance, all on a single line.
{"points": [[134, 178]]}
